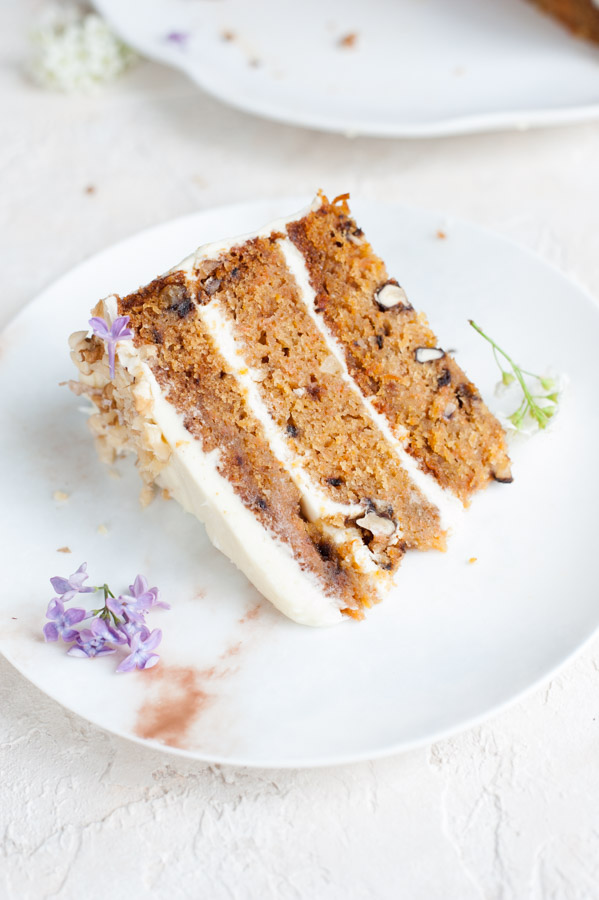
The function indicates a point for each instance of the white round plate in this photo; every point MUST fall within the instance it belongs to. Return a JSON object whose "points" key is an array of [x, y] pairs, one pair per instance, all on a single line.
{"points": [[237, 682], [413, 67]]}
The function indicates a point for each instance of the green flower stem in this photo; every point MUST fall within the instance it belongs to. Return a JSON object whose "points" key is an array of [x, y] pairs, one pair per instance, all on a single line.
{"points": [[103, 611], [529, 401]]}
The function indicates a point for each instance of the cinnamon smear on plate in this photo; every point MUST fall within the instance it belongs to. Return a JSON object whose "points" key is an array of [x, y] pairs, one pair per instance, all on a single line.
{"points": [[168, 716], [179, 695]]}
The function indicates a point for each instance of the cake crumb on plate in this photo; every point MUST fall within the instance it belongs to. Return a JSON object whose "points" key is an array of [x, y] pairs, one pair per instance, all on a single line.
{"points": [[348, 40]]}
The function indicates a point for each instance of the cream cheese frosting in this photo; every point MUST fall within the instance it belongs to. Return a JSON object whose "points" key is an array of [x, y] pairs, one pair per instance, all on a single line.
{"points": [[192, 478]]}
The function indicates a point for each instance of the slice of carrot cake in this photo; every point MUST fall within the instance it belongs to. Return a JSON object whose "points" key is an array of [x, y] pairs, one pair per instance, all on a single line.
{"points": [[284, 390]]}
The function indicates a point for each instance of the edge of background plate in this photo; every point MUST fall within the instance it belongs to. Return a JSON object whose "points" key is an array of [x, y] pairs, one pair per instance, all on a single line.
{"points": [[470, 124]]}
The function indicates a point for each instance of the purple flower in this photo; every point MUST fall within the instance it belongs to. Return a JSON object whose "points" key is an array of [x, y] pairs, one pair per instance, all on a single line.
{"points": [[61, 621], [129, 628], [135, 605], [111, 631], [179, 38], [69, 587], [145, 595], [118, 331], [126, 607], [141, 656], [93, 641]]}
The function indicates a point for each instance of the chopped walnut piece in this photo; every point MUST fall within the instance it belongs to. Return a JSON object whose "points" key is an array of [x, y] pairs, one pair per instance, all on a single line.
{"points": [[428, 354], [379, 526]]}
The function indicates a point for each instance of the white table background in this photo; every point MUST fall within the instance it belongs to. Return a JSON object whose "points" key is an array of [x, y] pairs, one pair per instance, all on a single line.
{"points": [[509, 810]]}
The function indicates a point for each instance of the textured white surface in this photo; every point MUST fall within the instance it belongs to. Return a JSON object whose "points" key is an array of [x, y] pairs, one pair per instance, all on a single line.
{"points": [[508, 811]]}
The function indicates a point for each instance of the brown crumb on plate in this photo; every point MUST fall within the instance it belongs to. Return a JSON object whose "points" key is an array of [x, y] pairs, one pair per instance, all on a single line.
{"points": [[442, 235], [472, 559], [227, 35], [61, 496], [90, 189], [64, 550], [348, 40]]}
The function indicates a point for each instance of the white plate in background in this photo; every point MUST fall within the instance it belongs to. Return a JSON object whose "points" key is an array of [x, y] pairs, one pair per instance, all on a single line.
{"points": [[238, 682], [416, 67]]}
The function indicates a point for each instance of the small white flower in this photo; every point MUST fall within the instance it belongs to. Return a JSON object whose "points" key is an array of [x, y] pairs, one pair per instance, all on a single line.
{"points": [[509, 398], [76, 51], [536, 396]]}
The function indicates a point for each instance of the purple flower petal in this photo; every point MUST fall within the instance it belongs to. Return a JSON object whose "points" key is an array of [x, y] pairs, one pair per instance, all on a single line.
{"points": [[127, 664], [85, 635], [104, 629], [91, 641], [74, 615], [119, 329], [69, 587], [153, 640], [99, 326], [76, 650], [69, 634], [136, 641], [129, 607], [77, 578], [129, 628], [55, 609], [139, 586], [149, 661], [117, 332], [60, 585], [147, 597], [179, 38], [50, 631], [114, 605]]}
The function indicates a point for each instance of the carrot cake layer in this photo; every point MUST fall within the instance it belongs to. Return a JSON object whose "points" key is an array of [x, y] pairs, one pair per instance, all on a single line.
{"points": [[395, 357], [253, 383]]}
